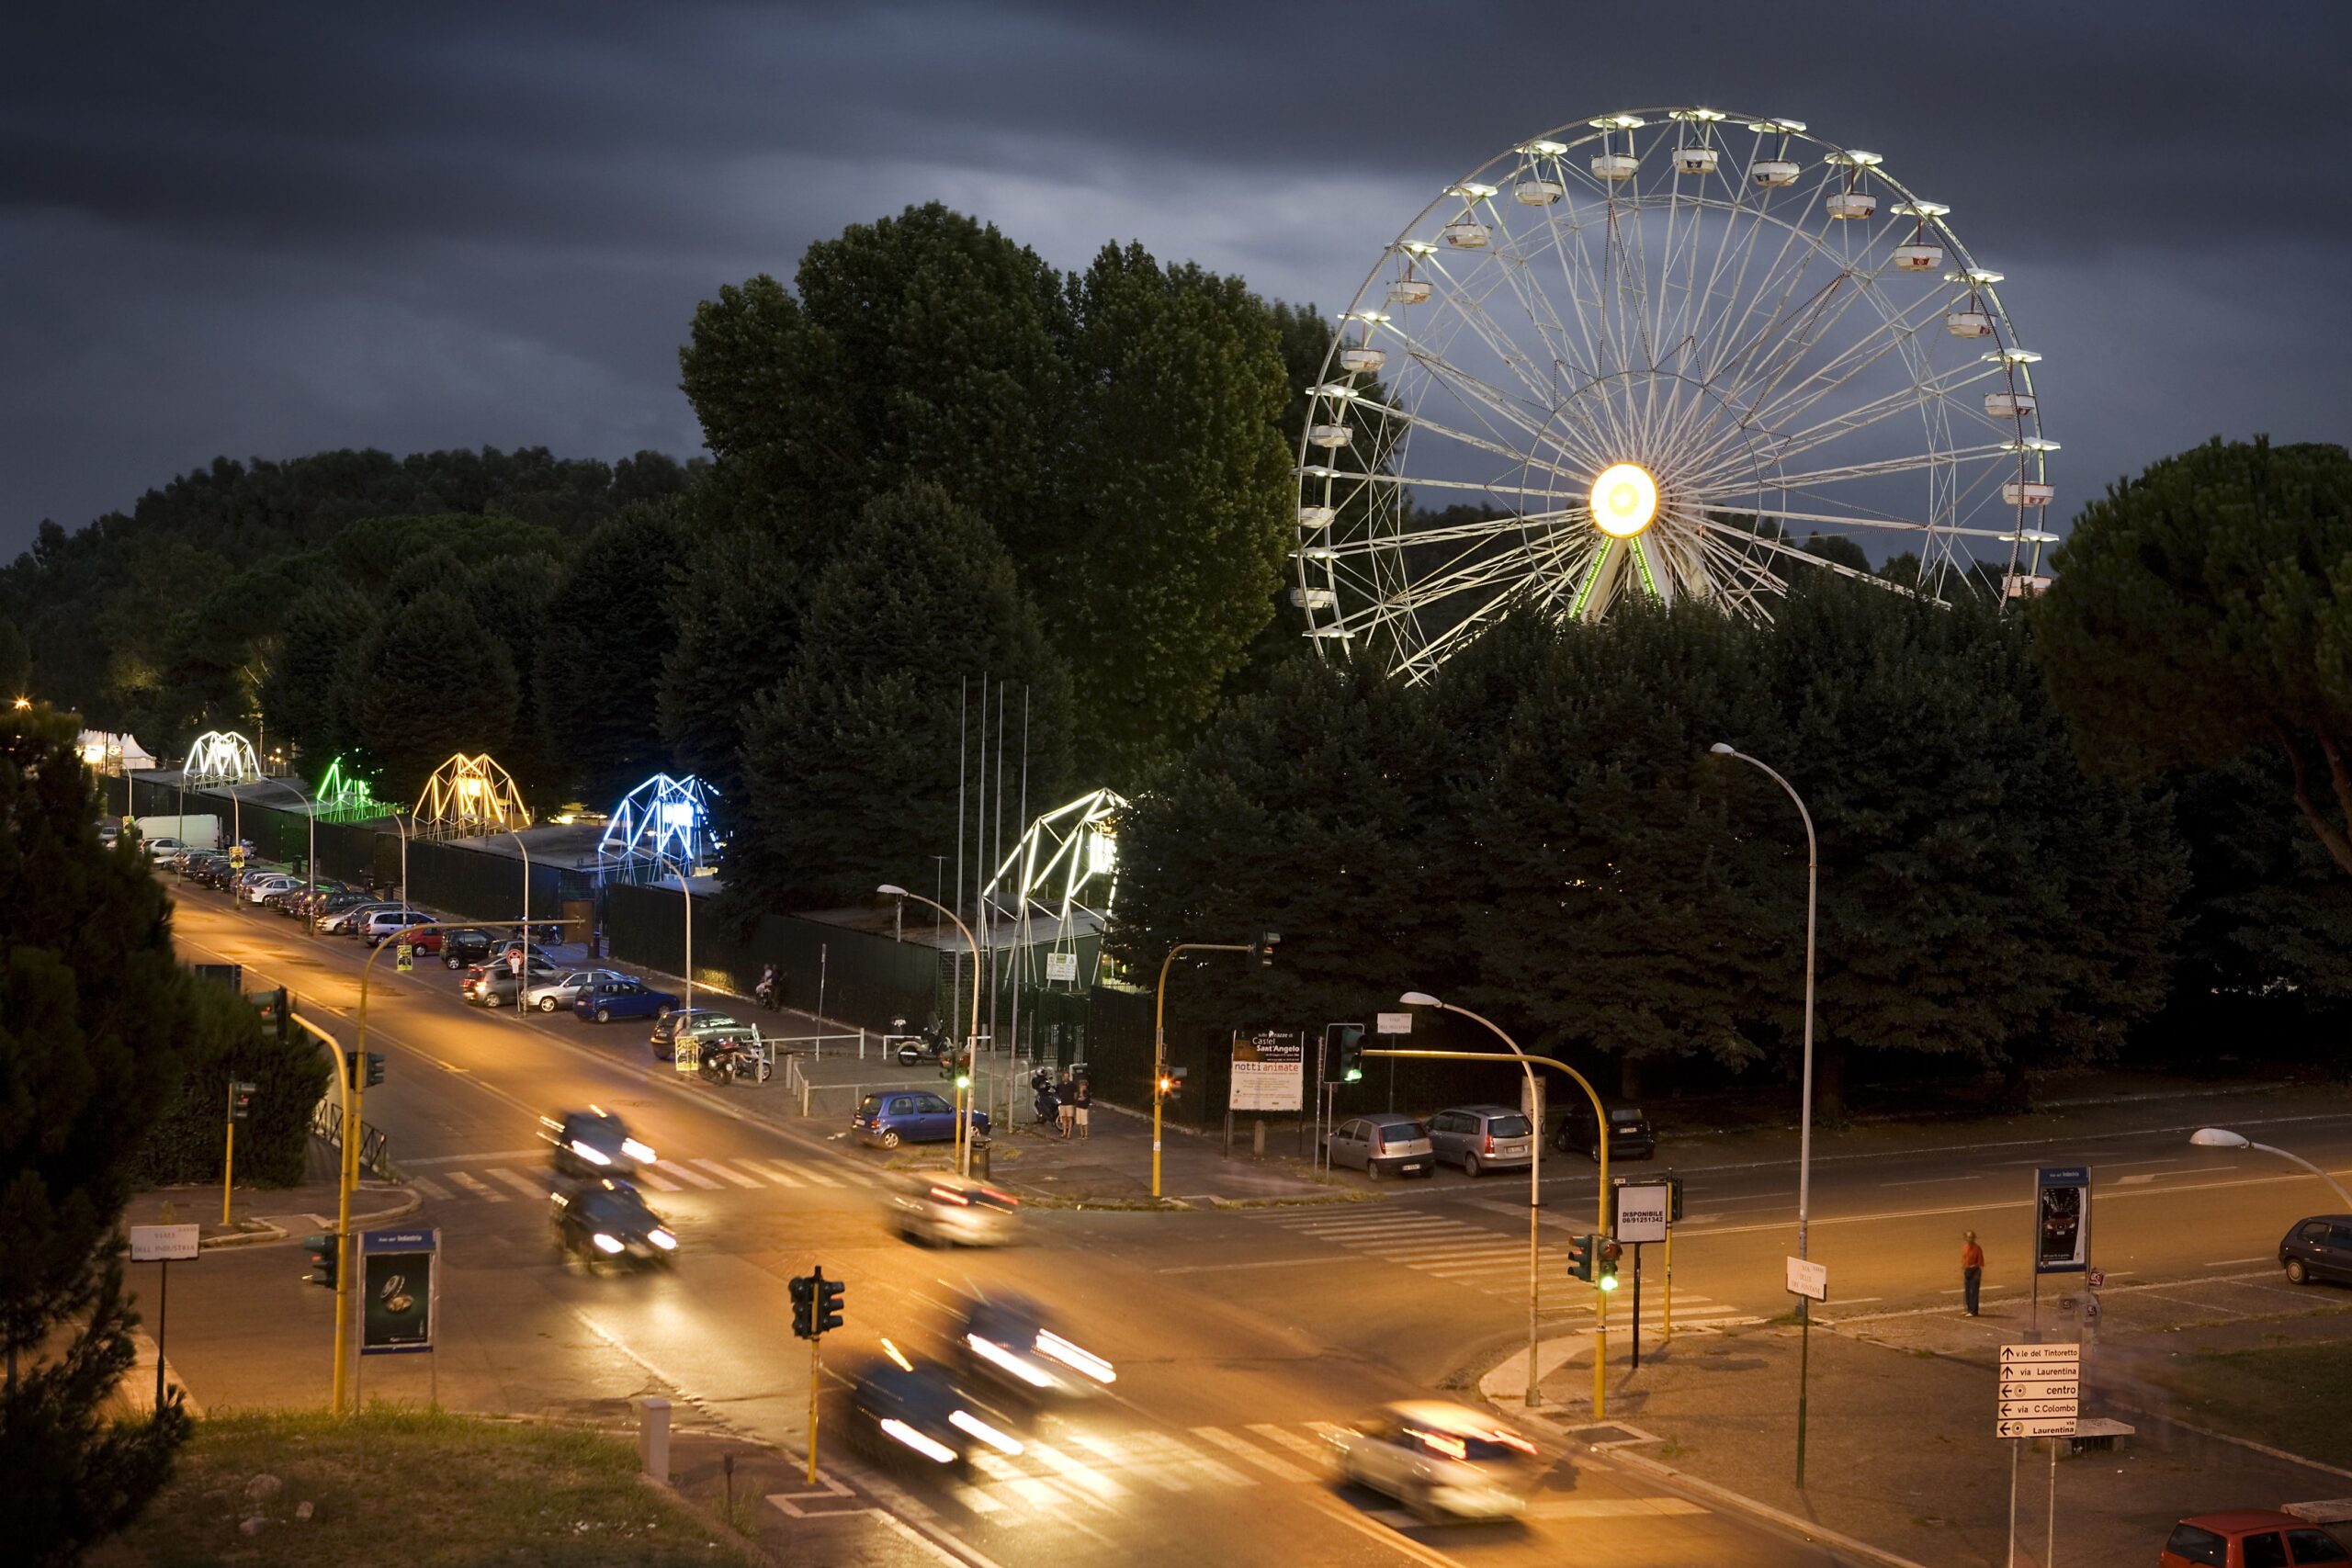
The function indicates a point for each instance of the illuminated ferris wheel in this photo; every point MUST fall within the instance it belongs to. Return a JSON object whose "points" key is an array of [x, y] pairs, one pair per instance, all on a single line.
{"points": [[1677, 354]]}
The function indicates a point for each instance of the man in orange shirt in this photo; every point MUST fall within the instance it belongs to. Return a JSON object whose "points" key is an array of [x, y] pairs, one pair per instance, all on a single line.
{"points": [[1972, 1268]]}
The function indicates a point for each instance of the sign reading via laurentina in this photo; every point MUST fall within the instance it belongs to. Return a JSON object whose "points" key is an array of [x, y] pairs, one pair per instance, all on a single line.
{"points": [[1269, 1072]]}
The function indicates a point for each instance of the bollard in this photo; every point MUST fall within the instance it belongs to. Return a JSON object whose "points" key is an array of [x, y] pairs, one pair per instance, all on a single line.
{"points": [[1258, 1139], [653, 1436], [980, 1159]]}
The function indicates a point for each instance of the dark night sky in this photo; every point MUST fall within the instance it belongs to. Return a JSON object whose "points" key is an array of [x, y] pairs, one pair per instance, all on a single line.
{"points": [[265, 230]]}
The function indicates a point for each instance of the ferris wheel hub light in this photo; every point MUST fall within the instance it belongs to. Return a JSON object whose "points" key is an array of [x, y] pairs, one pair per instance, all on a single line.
{"points": [[1625, 500]]}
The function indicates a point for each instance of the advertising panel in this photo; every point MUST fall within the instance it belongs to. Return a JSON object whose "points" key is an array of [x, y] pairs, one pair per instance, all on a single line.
{"points": [[2062, 1218], [397, 1272], [1269, 1072]]}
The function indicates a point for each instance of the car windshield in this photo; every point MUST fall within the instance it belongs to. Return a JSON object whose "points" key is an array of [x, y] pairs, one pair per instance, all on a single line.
{"points": [[1398, 1132], [1624, 1116], [2198, 1545], [1510, 1127], [613, 1209]]}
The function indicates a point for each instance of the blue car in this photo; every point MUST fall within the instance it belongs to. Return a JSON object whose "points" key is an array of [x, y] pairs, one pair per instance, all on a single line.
{"points": [[609, 999], [909, 1116]]}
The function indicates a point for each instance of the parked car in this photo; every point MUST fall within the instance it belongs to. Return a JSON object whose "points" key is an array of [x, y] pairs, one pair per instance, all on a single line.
{"points": [[462, 945], [1483, 1137], [949, 1210], [567, 987], [2319, 1248], [259, 888], [347, 920], [2249, 1537], [623, 997], [163, 849], [1382, 1145], [1629, 1134], [385, 923], [701, 1022], [494, 985], [915, 1116], [1439, 1459]]}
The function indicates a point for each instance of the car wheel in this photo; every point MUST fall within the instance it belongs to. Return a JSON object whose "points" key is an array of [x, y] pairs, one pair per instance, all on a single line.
{"points": [[604, 1015], [449, 963], [2297, 1273], [889, 1137], [1470, 1165], [1593, 1154], [489, 998], [547, 1004]]}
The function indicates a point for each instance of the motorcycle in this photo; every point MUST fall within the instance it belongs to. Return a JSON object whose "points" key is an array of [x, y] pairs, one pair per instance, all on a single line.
{"points": [[727, 1061], [932, 1045], [1046, 1105]]}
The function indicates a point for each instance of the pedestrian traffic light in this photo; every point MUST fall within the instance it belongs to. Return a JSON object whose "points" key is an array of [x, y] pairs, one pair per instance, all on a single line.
{"points": [[828, 1302], [1264, 948], [1605, 1251], [324, 1259], [1580, 1257], [1347, 1052], [241, 1100], [804, 1299], [375, 1068]]}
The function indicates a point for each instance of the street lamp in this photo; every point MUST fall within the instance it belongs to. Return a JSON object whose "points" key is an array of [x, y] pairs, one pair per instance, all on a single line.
{"points": [[972, 1040], [311, 814], [2222, 1138], [1534, 1191], [686, 897], [1804, 1114]]}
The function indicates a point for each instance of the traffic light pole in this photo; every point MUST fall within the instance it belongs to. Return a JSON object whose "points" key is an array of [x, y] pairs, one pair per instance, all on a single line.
{"points": [[228, 1151], [1159, 1038], [815, 1377], [1601, 1202]]}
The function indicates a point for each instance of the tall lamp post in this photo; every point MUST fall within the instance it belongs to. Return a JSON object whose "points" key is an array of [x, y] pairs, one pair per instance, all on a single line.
{"points": [[2222, 1138], [1159, 1040], [310, 866], [971, 1041], [1804, 1114], [686, 897], [1534, 1191]]}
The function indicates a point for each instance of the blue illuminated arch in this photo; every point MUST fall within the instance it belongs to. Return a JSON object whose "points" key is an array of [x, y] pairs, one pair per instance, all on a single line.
{"points": [[661, 818]]}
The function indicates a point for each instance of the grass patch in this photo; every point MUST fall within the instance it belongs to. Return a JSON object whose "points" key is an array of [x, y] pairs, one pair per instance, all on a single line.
{"points": [[2289, 1397], [425, 1489]]}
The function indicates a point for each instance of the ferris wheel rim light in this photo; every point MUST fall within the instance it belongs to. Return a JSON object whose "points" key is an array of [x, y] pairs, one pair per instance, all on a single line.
{"points": [[1625, 500]]}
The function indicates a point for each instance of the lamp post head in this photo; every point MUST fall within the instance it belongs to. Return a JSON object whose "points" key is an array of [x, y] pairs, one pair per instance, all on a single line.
{"points": [[2218, 1138], [1722, 749], [889, 890], [1420, 1000]]}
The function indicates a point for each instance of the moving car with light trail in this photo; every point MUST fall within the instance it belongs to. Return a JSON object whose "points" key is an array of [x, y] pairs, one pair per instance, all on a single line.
{"points": [[902, 1410], [594, 1142], [1008, 1344], [606, 1221], [1439, 1459], [948, 1210]]}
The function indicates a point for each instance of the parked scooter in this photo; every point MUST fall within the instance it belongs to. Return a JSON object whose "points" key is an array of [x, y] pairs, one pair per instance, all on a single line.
{"points": [[1047, 1104], [731, 1058]]}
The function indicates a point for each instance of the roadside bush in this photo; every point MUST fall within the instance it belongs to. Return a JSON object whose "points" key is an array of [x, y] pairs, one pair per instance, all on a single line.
{"points": [[230, 1043]]}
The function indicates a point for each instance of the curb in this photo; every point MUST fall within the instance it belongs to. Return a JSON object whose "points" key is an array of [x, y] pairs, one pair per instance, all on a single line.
{"points": [[273, 1235]]}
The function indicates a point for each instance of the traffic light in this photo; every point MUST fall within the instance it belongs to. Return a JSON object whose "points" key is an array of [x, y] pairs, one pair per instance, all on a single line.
{"points": [[1580, 1257], [1605, 1261], [375, 1068], [325, 1258], [241, 1100], [1263, 949], [273, 1005], [828, 1302], [1347, 1052], [804, 1299]]}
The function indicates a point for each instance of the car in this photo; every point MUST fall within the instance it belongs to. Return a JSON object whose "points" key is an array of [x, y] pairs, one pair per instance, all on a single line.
{"points": [[909, 1116], [594, 1142], [256, 889], [1483, 1137], [462, 945], [422, 943], [607, 1220], [1629, 1136], [2318, 1247], [698, 1022], [347, 920], [494, 985], [623, 997], [385, 923], [1439, 1459], [1382, 1145], [1010, 1345], [950, 1211], [164, 849], [899, 1407], [2249, 1537], [568, 986]]}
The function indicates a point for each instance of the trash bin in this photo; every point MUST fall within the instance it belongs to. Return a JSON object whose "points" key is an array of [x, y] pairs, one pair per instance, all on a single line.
{"points": [[981, 1157]]}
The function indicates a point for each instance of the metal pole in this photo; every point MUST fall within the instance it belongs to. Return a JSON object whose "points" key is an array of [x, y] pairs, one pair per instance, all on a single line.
{"points": [[1159, 1044], [163, 1324], [1637, 1306], [816, 1373], [229, 1155], [2315, 1171], [2050, 1540], [2013, 1502], [1666, 1334], [963, 1141]]}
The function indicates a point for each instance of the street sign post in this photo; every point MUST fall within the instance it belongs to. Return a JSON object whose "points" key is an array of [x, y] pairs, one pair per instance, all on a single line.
{"points": [[1642, 1209], [163, 1244], [2041, 1391], [1810, 1280]]}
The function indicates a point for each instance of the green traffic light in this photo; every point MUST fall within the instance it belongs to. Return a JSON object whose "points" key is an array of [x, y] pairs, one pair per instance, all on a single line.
{"points": [[1608, 1282], [1355, 1075], [963, 1080]]}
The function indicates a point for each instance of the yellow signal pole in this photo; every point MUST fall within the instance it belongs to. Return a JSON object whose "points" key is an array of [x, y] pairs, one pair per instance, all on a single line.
{"points": [[816, 1375], [1159, 1039], [229, 1153]]}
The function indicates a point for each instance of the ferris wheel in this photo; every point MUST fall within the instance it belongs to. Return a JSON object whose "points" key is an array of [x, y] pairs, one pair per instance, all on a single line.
{"points": [[1675, 354]]}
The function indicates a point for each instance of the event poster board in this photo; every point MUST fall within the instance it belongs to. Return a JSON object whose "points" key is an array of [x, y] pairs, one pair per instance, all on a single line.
{"points": [[1269, 1072]]}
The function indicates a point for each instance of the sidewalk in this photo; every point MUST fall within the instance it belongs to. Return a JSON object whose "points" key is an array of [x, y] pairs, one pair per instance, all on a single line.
{"points": [[1901, 1453], [259, 1217]]}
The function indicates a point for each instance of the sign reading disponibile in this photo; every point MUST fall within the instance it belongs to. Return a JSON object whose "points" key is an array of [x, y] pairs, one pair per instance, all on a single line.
{"points": [[401, 1284], [1269, 1072]]}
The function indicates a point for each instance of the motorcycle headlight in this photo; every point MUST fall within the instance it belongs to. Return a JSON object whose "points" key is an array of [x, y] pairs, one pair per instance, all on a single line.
{"points": [[591, 1155], [637, 1151], [662, 1239], [608, 1244]]}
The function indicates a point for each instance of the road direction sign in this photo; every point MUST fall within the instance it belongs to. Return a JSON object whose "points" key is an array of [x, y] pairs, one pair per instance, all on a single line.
{"points": [[162, 1244], [1393, 1024], [2069, 1390], [2042, 1371], [2054, 1426], [2012, 1355], [2038, 1409]]}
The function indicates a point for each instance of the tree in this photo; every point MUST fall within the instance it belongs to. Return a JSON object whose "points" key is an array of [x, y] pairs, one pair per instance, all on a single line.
{"points": [[438, 683], [2203, 611], [731, 632], [1158, 567], [16, 662], [311, 690], [598, 663], [850, 765], [94, 1012]]}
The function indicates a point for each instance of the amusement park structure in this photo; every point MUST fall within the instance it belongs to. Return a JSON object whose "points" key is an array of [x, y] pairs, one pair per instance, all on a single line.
{"points": [[1062, 876], [221, 757], [469, 797], [664, 818]]}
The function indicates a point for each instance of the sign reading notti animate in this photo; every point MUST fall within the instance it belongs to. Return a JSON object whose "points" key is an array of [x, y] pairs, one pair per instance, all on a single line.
{"points": [[1269, 1072]]}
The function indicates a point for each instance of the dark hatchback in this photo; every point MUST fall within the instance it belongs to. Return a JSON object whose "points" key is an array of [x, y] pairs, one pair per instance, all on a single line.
{"points": [[2319, 1248], [1629, 1134]]}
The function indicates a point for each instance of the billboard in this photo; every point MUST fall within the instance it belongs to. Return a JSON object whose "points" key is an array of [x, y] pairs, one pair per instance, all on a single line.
{"points": [[397, 1272], [2062, 1218], [1269, 1072]]}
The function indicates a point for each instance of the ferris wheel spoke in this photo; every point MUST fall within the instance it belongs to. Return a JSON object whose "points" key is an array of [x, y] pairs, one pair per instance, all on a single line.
{"points": [[1784, 273], [1496, 400], [1892, 333], [1482, 528], [1471, 313], [1783, 548], [1859, 522]]}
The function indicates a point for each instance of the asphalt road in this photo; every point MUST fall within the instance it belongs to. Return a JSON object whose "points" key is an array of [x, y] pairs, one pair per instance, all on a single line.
{"points": [[1239, 1337]]}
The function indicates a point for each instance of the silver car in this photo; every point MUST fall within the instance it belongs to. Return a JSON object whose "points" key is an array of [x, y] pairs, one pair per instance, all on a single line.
{"points": [[948, 1210], [1439, 1459], [1382, 1145], [564, 989], [1483, 1137]]}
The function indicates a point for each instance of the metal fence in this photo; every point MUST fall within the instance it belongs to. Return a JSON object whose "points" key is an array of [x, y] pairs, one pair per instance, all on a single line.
{"points": [[375, 1143], [865, 978]]}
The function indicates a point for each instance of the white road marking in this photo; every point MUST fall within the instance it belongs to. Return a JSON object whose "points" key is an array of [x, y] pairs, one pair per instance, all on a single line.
{"points": [[1309, 1447], [468, 1159], [1250, 1453], [774, 1170], [1231, 1268], [1609, 1507], [649, 1177], [521, 1183], [1937, 1180], [821, 1177], [429, 1186], [716, 1168], [478, 1189], [2136, 1180], [692, 1177], [2233, 1262]]}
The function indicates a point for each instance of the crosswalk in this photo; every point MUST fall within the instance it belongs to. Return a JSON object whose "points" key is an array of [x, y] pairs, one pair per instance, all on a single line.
{"points": [[1087, 1465], [491, 1180], [1483, 1260]]}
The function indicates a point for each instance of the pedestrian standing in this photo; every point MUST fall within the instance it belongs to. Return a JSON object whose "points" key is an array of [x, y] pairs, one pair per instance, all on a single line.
{"points": [[766, 990], [1972, 1268], [1065, 1104], [1082, 1101]]}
